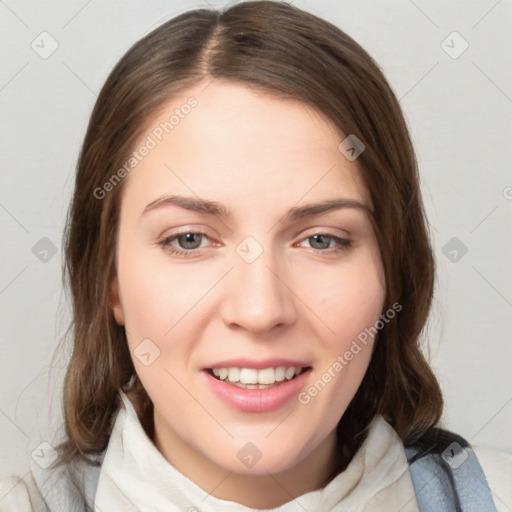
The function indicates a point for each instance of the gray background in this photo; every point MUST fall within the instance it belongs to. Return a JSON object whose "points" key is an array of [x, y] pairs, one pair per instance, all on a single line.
{"points": [[458, 107]]}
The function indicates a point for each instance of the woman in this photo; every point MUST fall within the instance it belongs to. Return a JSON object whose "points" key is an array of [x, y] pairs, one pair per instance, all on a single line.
{"points": [[250, 271]]}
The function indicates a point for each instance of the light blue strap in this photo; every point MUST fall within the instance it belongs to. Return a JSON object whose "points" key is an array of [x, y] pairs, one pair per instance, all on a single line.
{"points": [[451, 482]]}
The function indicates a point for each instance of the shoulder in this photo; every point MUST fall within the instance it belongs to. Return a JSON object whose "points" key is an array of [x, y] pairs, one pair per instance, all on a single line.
{"points": [[20, 495], [497, 468]]}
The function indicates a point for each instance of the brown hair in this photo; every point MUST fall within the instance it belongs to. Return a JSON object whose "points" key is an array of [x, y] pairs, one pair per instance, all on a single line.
{"points": [[276, 48]]}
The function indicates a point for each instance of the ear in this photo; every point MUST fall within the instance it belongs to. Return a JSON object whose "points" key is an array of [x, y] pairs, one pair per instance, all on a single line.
{"points": [[115, 301]]}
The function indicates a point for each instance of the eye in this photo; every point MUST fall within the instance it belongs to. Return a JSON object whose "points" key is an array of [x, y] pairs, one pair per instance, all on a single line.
{"points": [[187, 242], [327, 243]]}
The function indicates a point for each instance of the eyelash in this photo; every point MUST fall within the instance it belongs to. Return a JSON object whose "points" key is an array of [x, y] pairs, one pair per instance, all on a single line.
{"points": [[342, 243]]}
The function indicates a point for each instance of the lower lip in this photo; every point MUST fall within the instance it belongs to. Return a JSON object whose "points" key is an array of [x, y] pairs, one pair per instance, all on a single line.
{"points": [[257, 400]]}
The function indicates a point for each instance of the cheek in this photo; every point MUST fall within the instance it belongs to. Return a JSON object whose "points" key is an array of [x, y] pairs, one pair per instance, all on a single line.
{"points": [[157, 304], [350, 306], [156, 296], [351, 299]]}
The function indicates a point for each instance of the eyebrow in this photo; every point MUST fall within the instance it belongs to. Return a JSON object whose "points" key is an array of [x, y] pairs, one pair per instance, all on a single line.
{"points": [[214, 208]]}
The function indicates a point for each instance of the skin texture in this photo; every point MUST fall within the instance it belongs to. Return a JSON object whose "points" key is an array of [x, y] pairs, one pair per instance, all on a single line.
{"points": [[259, 156]]}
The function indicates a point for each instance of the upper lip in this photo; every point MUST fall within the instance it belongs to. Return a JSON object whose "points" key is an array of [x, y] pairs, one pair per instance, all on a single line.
{"points": [[257, 365]]}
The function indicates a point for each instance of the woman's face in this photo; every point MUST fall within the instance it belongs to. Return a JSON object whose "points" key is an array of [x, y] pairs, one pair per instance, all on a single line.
{"points": [[225, 262]]}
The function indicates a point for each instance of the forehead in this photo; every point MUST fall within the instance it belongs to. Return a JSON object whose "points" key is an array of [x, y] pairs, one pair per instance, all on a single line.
{"points": [[235, 143]]}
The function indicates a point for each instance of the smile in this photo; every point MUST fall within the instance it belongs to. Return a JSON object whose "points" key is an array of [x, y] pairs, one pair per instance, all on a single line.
{"points": [[252, 378], [265, 392]]}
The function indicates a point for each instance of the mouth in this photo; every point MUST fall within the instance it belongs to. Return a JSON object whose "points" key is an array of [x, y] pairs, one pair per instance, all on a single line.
{"points": [[252, 378]]}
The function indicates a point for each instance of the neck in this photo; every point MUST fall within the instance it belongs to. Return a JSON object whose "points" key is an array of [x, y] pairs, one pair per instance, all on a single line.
{"points": [[267, 490]]}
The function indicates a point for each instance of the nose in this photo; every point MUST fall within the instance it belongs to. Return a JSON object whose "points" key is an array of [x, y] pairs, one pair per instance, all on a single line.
{"points": [[257, 296]]}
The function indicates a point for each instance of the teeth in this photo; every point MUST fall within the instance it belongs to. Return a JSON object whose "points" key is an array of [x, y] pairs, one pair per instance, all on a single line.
{"points": [[290, 373], [266, 376], [280, 373], [251, 386], [234, 374], [254, 378], [248, 376]]}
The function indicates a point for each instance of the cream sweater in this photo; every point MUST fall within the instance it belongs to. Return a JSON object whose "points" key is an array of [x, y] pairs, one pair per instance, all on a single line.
{"points": [[135, 477]]}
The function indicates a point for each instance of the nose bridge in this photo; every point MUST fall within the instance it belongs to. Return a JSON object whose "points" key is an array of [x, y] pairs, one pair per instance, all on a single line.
{"points": [[257, 299]]}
